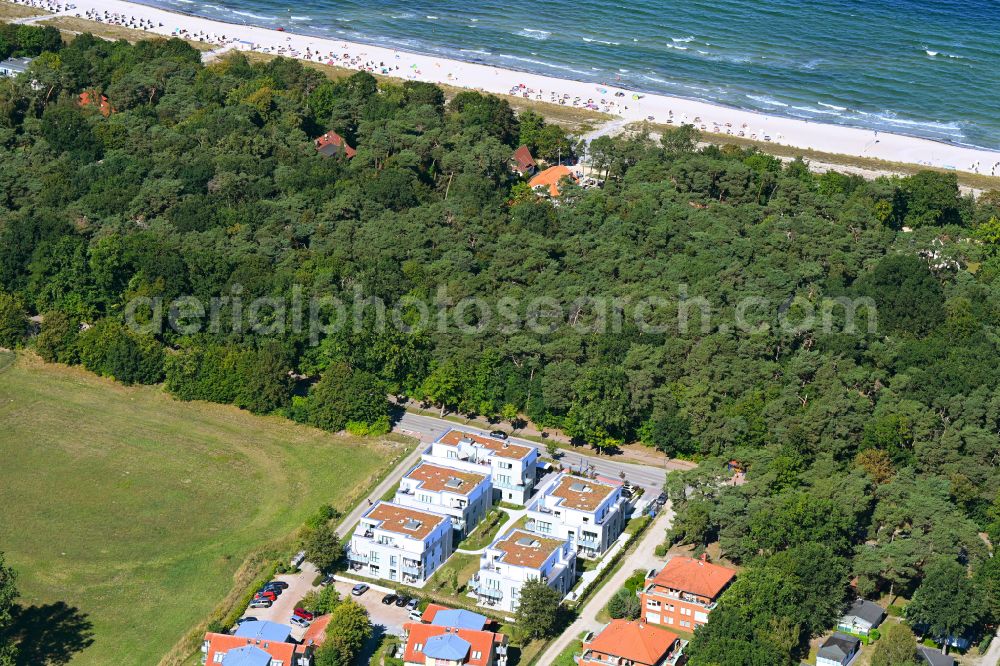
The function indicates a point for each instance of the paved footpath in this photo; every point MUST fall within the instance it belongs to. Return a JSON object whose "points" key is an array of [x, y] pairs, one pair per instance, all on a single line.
{"points": [[643, 557]]}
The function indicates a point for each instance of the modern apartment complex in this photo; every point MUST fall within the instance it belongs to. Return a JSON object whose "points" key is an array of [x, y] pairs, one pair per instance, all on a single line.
{"points": [[512, 467], [462, 495], [589, 514], [684, 592], [517, 557], [398, 543]]}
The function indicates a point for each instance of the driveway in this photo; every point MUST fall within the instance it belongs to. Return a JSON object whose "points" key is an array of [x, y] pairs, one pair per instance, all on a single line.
{"points": [[643, 557]]}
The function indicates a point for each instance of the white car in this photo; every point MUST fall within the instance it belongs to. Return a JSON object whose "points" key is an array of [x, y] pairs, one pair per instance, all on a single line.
{"points": [[297, 621]]}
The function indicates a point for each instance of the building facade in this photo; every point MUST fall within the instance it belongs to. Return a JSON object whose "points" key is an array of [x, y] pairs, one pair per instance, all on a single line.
{"points": [[684, 592], [513, 468], [517, 557], [397, 543], [589, 514], [462, 495]]}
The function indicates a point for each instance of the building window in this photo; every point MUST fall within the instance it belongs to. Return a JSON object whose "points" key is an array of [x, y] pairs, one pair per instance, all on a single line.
{"points": [[685, 623], [419, 647], [670, 619], [219, 656], [476, 655], [653, 604]]}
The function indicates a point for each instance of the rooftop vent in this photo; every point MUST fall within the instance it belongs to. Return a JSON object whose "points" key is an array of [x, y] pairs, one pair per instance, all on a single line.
{"points": [[578, 487], [454, 482], [411, 524], [528, 542], [466, 440]]}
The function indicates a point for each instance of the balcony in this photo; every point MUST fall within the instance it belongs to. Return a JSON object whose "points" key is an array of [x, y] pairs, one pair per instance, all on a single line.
{"points": [[413, 569], [660, 593], [507, 486]]}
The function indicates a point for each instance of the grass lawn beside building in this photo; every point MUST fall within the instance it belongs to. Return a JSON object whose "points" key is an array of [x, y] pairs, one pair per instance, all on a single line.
{"points": [[140, 511]]}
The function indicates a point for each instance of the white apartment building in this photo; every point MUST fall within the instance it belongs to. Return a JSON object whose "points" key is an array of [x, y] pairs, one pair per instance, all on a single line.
{"points": [[463, 495], [512, 467], [397, 543], [589, 514], [514, 559]]}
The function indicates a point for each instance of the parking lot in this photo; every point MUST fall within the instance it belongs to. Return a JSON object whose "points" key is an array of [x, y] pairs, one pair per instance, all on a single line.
{"points": [[298, 585], [390, 617]]}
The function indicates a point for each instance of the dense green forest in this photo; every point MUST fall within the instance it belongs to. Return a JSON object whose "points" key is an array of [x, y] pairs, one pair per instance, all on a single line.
{"points": [[871, 452]]}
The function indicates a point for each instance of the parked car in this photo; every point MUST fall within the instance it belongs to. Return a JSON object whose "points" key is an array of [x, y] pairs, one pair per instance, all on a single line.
{"points": [[304, 614], [273, 590], [498, 434], [277, 584], [299, 558], [298, 621], [247, 618], [327, 579], [389, 599], [402, 600], [412, 604], [260, 603], [266, 594], [359, 589], [415, 615]]}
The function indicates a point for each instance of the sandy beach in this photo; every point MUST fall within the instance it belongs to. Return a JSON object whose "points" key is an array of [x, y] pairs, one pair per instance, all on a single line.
{"points": [[621, 102]]}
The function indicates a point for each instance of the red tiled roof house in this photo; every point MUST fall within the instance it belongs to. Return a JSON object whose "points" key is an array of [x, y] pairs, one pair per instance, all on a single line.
{"points": [[684, 592], [631, 642], [331, 144]]}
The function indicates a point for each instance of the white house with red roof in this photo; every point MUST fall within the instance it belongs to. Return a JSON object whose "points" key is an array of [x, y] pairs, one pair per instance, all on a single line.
{"points": [[463, 495], [590, 514], [398, 543], [512, 467], [517, 557]]}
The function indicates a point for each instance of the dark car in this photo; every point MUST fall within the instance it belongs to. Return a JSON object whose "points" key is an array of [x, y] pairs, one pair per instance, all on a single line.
{"points": [[248, 618], [273, 590], [498, 434], [327, 579], [278, 584], [402, 600], [304, 614], [661, 498], [389, 599], [359, 589]]}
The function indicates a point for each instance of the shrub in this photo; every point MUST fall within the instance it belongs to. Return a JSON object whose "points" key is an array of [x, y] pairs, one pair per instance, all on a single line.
{"points": [[661, 550]]}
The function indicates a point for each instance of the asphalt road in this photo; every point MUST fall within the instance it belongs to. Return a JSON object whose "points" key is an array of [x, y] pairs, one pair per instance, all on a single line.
{"points": [[429, 428], [643, 556]]}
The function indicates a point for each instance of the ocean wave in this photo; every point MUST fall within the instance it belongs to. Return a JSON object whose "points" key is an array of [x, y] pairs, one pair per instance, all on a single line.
{"points": [[833, 106], [431, 18], [476, 51], [679, 48], [256, 16], [763, 99], [534, 34], [601, 41], [300, 18], [809, 109], [682, 40], [542, 63]]}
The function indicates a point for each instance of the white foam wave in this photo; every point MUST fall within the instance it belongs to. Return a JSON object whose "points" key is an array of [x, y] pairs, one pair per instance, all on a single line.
{"points": [[833, 106], [534, 34], [256, 16], [682, 40], [763, 99]]}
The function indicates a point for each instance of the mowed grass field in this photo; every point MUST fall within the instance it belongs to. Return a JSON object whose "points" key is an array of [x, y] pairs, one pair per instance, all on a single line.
{"points": [[138, 509]]}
